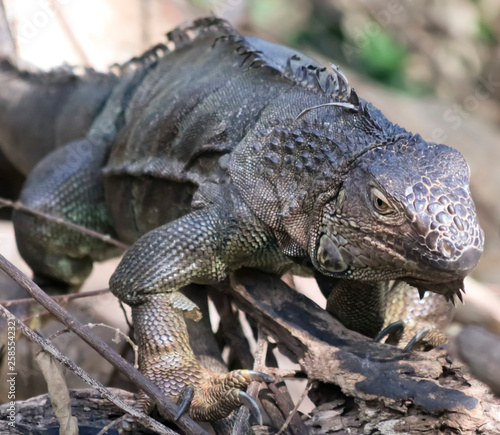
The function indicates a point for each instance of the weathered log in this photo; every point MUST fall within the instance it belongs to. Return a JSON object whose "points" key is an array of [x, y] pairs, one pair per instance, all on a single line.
{"points": [[383, 387], [36, 415]]}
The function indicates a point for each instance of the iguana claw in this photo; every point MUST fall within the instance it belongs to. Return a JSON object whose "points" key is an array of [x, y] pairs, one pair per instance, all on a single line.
{"points": [[251, 404], [185, 399], [394, 327], [419, 336], [188, 393]]}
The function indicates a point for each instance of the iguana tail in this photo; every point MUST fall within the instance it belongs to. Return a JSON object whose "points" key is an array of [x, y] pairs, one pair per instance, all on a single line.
{"points": [[40, 111]]}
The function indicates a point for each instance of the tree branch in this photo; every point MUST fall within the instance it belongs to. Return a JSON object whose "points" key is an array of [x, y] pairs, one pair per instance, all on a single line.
{"points": [[50, 349], [105, 238]]}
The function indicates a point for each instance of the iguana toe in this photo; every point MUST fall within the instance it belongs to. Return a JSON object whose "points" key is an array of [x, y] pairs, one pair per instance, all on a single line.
{"points": [[412, 335]]}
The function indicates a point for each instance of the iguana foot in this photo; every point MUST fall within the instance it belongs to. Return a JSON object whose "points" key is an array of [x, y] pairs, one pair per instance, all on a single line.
{"points": [[415, 321], [166, 358], [409, 337], [217, 395]]}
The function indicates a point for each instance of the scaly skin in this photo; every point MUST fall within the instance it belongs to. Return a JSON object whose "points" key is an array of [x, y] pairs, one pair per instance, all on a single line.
{"points": [[231, 152]]}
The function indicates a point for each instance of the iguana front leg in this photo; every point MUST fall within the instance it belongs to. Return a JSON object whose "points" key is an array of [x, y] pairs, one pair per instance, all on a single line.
{"points": [[369, 307], [424, 320], [198, 248]]}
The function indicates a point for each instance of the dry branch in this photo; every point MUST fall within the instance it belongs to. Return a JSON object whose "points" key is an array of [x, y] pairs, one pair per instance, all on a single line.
{"points": [[166, 407], [50, 349], [16, 205], [60, 299]]}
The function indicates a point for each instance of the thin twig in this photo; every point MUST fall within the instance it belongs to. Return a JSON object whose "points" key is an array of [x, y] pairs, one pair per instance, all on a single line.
{"points": [[130, 326], [50, 349], [295, 408], [134, 347], [285, 373], [111, 425], [105, 238], [231, 327], [166, 407], [60, 299]]}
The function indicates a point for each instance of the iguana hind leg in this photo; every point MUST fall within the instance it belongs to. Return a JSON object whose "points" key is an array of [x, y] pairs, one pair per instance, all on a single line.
{"points": [[66, 184], [201, 248], [166, 357]]}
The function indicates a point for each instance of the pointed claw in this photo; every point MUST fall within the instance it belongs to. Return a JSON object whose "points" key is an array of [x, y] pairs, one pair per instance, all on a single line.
{"points": [[416, 338], [251, 404], [259, 376], [393, 327], [421, 293], [459, 296], [185, 399]]}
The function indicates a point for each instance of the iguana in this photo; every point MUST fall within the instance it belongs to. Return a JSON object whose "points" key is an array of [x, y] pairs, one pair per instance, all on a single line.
{"points": [[218, 151]]}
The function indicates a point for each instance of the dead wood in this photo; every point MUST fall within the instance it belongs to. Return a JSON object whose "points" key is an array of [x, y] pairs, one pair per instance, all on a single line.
{"points": [[361, 386], [36, 415], [382, 388]]}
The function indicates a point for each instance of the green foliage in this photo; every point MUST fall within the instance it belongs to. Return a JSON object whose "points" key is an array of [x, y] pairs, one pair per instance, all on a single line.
{"points": [[382, 58], [486, 33]]}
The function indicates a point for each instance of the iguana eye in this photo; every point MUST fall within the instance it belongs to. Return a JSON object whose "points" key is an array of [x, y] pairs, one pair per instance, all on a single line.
{"points": [[380, 202]]}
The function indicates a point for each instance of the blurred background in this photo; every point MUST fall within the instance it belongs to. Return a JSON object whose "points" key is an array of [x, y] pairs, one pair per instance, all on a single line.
{"points": [[432, 67]]}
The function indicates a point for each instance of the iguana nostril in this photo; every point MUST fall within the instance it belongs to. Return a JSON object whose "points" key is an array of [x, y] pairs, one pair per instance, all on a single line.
{"points": [[446, 248]]}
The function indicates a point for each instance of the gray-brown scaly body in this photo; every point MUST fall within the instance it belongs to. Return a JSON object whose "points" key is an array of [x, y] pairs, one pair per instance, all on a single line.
{"points": [[228, 151]]}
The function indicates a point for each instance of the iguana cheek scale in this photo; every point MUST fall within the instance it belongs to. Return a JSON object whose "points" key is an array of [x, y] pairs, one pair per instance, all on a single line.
{"points": [[218, 152]]}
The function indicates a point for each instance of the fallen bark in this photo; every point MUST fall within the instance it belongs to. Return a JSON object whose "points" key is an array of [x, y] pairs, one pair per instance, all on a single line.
{"points": [[382, 387], [36, 415]]}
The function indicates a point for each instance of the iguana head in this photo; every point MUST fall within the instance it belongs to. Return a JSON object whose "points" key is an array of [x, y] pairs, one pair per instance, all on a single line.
{"points": [[404, 211]]}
